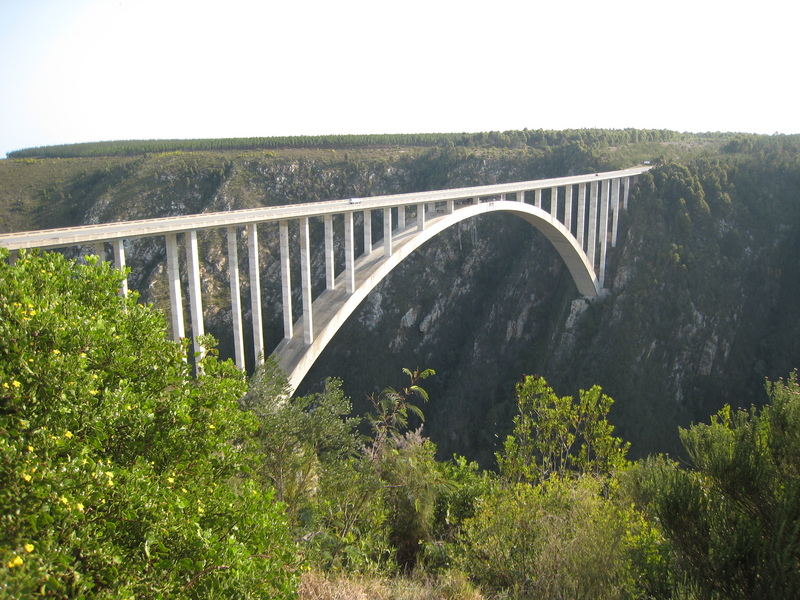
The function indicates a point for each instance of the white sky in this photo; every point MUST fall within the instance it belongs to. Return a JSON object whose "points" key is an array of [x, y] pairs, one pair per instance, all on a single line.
{"points": [[92, 70]]}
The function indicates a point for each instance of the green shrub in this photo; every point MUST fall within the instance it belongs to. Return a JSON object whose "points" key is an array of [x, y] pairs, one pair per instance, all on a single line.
{"points": [[121, 475]]}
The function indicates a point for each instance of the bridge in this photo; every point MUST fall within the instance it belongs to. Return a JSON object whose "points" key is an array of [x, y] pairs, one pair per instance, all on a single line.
{"points": [[579, 215]]}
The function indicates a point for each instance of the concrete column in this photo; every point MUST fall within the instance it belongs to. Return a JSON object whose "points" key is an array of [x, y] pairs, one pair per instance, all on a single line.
{"points": [[591, 242], [387, 232], [305, 279], [615, 211], [119, 262], [451, 207], [349, 254], [286, 281], [604, 204], [581, 214], [367, 232], [13, 256], [236, 298], [195, 301], [255, 292], [329, 274], [420, 217], [554, 202], [537, 198], [174, 283], [521, 197], [401, 218], [99, 250], [568, 208], [627, 184]]}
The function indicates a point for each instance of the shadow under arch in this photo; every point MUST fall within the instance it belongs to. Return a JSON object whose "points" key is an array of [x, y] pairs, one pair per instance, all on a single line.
{"points": [[333, 307]]}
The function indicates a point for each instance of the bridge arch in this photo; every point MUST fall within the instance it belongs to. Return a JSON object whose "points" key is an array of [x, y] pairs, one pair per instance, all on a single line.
{"points": [[333, 307]]}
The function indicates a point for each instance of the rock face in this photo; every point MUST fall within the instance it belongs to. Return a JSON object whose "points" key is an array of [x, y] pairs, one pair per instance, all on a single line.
{"points": [[702, 304]]}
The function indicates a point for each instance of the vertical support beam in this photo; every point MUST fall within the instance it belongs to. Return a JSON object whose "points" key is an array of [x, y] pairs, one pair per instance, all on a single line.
{"points": [[554, 202], [591, 242], [367, 232], [174, 283], [401, 218], [568, 208], [255, 292], [329, 275], [286, 281], [581, 214], [627, 184], [305, 279], [615, 211], [521, 197], [421, 217], [387, 232], [538, 198], [119, 262], [99, 249], [236, 298], [451, 207], [195, 301], [604, 204], [349, 254]]}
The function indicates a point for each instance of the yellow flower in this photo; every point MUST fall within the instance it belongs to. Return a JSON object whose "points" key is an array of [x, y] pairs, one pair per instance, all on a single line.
{"points": [[68, 434], [170, 479], [28, 548], [15, 562], [26, 477], [79, 506], [63, 500], [30, 448], [16, 383]]}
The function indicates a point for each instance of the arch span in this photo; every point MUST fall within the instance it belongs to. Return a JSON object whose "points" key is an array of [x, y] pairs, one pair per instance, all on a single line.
{"points": [[333, 307]]}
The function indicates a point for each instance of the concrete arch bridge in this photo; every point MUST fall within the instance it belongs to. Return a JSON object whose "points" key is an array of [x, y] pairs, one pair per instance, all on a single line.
{"points": [[579, 215]]}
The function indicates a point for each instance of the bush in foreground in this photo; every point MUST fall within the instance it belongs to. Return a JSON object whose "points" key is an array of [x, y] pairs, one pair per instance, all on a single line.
{"points": [[121, 475]]}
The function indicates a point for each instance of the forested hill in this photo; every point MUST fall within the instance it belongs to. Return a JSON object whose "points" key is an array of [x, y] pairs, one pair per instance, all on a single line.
{"points": [[702, 301]]}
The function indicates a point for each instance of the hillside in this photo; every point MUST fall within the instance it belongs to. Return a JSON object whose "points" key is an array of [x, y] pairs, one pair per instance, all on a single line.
{"points": [[702, 305]]}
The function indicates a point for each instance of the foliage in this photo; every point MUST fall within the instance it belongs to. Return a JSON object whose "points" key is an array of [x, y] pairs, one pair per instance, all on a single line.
{"points": [[555, 436], [564, 538], [734, 518], [122, 476]]}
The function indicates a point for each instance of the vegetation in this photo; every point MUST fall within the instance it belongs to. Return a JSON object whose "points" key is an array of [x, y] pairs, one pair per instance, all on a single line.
{"points": [[124, 476], [507, 139]]}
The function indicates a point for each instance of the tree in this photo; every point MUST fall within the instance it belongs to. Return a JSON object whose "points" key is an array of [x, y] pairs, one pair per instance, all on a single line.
{"points": [[734, 518], [121, 475], [557, 436]]}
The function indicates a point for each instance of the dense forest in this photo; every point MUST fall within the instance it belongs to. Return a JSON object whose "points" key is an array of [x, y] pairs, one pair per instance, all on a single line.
{"points": [[458, 439]]}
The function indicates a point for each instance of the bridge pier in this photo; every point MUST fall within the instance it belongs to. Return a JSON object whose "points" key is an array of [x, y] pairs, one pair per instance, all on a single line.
{"points": [[174, 285], [615, 208], [604, 205], [286, 281], [367, 232], [349, 254], [305, 279], [236, 299], [568, 207], [329, 268], [420, 217], [387, 232], [119, 263], [255, 291], [195, 300], [592, 237]]}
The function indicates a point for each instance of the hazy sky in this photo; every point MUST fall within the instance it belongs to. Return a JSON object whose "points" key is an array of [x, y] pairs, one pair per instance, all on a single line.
{"points": [[91, 70]]}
